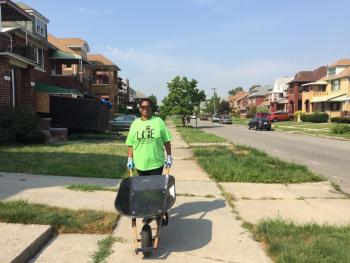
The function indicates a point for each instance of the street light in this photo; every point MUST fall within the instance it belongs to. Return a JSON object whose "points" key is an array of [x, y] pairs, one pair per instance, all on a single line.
{"points": [[214, 89]]}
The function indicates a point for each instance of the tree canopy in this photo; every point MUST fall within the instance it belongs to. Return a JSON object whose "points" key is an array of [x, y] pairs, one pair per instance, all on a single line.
{"points": [[153, 98], [235, 90], [182, 97], [224, 107]]}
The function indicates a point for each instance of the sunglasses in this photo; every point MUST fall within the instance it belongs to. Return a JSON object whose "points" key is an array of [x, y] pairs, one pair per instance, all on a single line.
{"points": [[145, 107]]}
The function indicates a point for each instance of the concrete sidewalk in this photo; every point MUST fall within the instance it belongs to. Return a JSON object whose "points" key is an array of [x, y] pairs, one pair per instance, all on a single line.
{"points": [[200, 229]]}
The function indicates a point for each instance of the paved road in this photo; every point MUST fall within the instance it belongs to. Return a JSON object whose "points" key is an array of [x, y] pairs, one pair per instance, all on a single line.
{"points": [[328, 157]]}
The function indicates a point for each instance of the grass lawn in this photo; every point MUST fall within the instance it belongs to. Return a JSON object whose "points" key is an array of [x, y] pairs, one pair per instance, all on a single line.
{"points": [[242, 121], [245, 164], [61, 219], [193, 135], [102, 160], [90, 188], [287, 242]]}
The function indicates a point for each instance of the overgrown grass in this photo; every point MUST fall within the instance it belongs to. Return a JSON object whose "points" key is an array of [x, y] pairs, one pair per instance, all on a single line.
{"points": [[193, 135], [287, 242], [245, 164], [93, 136], [61, 219], [90, 187], [104, 249], [102, 160]]}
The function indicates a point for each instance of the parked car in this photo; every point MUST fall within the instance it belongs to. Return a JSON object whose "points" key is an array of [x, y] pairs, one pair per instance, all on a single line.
{"points": [[215, 118], [262, 115], [279, 116], [203, 117], [193, 117], [122, 122], [225, 120], [259, 124]]}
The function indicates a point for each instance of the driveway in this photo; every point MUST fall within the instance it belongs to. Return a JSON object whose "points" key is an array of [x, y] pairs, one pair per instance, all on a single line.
{"points": [[328, 157]]}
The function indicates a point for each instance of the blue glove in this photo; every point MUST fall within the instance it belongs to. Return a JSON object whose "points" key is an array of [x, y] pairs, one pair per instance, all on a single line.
{"points": [[169, 161], [130, 164]]}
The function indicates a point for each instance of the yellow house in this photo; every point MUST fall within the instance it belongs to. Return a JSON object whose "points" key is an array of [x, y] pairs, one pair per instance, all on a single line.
{"points": [[330, 94]]}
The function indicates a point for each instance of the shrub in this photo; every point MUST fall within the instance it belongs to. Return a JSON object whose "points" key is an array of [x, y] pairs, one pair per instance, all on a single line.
{"points": [[251, 112], [19, 126], [340, 129], [315, 117], [340, 119]]}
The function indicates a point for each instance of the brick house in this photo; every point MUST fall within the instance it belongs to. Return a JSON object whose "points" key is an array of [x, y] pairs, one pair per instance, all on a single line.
{"points": [[257, 96], [21, 54], [105, 80], [277, 98], [70, 65], [238, 102], [295, 87]]}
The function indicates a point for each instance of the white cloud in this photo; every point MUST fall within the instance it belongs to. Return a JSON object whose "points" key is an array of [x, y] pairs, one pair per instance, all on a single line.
{"points": [[151, 71]]}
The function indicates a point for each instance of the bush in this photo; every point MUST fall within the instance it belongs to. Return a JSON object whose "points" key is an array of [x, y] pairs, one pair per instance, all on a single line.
{"points": [[341, 119], [19, 126], [340, 129], [251, 112], [315, 117]]}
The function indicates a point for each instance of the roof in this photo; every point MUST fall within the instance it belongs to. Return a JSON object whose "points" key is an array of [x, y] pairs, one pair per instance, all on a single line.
{"points": [[260, 91], [12, 12], [280, 84], [341, 62], [343, 74], [57, 42], [310, 76], [30, 10], [326, 98], [75, 42], [240, 95], [98, 59]]}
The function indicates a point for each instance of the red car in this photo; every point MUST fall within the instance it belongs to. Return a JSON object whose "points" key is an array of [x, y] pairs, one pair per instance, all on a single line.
{"points": [[279, 116]]}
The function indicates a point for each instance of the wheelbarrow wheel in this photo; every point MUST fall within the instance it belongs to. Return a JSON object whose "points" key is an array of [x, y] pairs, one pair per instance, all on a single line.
{"points": [[146, 239]]}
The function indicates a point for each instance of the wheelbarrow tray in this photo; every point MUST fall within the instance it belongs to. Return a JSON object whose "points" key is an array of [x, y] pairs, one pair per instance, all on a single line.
{"points": [[145, 196]]}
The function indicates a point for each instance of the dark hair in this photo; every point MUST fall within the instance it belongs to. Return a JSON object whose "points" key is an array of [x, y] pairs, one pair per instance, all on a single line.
{"points": [[146, 99]]}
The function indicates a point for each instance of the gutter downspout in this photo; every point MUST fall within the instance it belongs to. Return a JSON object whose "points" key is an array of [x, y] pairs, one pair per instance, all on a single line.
{"points": [[0, 19], [13, 88]]}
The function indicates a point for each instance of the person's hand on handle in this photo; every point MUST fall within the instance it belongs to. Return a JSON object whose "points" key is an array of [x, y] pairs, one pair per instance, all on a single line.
{"points": [[169, 161], [130, 163]]}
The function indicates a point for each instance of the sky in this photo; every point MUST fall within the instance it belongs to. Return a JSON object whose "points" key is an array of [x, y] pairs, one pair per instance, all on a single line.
{"points": [[220, 43]]}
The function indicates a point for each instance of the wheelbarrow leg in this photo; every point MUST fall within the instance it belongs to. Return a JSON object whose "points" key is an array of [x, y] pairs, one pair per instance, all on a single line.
{"points": [[134, 229], [156, 237]]}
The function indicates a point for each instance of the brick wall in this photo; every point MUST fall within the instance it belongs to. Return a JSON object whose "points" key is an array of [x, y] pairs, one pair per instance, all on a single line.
{"points": [[5, 85]]}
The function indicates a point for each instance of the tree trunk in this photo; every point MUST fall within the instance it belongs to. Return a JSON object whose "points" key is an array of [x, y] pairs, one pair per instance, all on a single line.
{"points": [[183, 118]]}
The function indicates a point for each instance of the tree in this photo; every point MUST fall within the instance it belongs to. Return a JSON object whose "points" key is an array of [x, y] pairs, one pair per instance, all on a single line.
{"points": [[153, 98], [224, 107], [210, 105], [182, 97], [235, 90], [253, 88]]}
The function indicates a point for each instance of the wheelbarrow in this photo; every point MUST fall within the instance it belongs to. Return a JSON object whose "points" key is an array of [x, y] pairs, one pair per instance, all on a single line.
{"points": [[150, 198]]}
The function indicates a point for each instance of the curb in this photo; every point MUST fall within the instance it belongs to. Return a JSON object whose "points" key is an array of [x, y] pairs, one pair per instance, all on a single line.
{"points": [[34, 247]]}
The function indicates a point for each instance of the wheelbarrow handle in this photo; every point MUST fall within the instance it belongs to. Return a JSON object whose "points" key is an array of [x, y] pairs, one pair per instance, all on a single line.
{"points": [[130, 173], [167, 169]]}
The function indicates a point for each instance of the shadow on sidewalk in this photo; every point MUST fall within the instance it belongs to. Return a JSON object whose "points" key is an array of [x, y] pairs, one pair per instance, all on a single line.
{"points": [[188, 228]]}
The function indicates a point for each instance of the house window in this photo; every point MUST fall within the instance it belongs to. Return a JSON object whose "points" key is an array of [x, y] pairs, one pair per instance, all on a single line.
{"points": [[335, 85], [331, 71], [39, 55], [40, 27], [335, 106]]}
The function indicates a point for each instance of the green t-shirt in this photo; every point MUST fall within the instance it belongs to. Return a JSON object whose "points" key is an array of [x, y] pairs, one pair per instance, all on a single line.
{"points": [[147, 139]]}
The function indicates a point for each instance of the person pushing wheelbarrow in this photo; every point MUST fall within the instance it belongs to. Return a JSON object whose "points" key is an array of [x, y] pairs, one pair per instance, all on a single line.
{"points": [[147, 138], [150, 195]]}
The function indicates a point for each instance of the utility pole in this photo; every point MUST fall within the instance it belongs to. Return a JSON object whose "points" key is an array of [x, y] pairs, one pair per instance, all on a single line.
{"points": [[214, 89]]}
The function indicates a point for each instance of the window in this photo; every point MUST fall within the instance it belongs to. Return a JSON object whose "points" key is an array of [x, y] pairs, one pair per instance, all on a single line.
{"points": [[40, 27], [39, 55], [331, 71], [335, 106], [335, 85]]}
